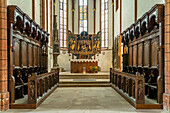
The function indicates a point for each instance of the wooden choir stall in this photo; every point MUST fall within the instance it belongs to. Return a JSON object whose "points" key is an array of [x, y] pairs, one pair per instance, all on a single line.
{"points": [[84, 47], [143, 61], [27, 52]]}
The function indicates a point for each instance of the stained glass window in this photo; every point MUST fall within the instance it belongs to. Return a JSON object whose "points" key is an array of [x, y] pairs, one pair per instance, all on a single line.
{"points": [[63, 23], [83, 9], [104, 23]]}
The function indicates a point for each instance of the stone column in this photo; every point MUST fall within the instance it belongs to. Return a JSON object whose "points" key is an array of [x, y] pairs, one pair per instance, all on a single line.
{"points": [[166, 96], [4, 95]]}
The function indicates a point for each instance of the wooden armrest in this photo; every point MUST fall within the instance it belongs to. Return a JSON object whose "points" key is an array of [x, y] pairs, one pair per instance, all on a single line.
{"points": [[152, 86], [18, 86], [25, 83]]}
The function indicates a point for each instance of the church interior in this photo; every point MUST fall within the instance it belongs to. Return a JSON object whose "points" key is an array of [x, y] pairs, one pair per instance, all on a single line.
{"points": [[85, 56]]}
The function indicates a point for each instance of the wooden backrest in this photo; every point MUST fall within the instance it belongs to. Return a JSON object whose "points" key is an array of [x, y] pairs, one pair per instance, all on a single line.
{"points": [[144, 43]]}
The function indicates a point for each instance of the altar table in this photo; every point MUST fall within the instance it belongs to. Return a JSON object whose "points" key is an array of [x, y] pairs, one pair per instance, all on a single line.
{"points": [[77, 65]]}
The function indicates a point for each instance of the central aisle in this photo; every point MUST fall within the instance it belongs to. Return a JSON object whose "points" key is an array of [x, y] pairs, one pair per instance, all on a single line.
{"points": [[85, 100]]}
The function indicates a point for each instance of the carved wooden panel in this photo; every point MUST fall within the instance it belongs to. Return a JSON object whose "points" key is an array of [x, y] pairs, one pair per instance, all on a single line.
{"points": [[24, 54], [16, 52], [146, 53], [130, 56], [39, 56], [35, 56], [135, 55], [140, 54], [30, 55], [154, 52]]}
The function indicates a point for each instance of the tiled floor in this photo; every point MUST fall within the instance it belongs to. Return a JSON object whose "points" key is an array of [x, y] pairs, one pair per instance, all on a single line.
{"points": [[85, 100]]}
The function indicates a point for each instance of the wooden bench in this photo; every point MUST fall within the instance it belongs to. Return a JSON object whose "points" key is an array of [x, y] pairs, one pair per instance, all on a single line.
{"points": [[132, 85], [41, 85]]}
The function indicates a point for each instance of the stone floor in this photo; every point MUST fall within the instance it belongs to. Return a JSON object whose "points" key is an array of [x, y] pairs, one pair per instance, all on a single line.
{"points": [[85, 100]]}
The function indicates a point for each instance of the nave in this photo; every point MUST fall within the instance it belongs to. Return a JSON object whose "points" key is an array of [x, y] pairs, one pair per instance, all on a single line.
{"points": [[84, 100], [103, 47]]}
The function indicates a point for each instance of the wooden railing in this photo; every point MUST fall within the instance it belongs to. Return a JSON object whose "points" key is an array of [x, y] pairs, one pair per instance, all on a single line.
{"points": [[41, 85], [131, 85]]}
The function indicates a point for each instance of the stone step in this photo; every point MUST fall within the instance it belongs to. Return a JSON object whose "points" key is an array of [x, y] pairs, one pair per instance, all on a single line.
{"points": [[84, 76], [84, 85], [84, 82], [100, 75], [100, 79]]}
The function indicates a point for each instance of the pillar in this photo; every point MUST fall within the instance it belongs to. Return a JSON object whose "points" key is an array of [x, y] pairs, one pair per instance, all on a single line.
{"points": [[166, 96], [4, 95]]}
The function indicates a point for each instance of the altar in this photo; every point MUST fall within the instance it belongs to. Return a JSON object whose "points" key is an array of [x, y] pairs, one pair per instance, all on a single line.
{"points": [[84, 66], [83, 48]]}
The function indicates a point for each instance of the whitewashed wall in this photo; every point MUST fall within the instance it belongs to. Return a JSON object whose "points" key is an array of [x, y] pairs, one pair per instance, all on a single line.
{"points": [[128, 13], [37, 11], [146, 5], [91, 17], [116, 20], [24, 5], [97, 21], [70, 15]]}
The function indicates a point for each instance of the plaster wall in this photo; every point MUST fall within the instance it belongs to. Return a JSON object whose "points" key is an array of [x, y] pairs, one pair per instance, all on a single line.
{"points": [[24, 5], [146, 5], [128, 13]]}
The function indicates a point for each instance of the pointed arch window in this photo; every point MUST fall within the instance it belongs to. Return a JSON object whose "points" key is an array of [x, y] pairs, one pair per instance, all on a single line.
{"points": [[104, 23], [83, 15], [63, 23]]}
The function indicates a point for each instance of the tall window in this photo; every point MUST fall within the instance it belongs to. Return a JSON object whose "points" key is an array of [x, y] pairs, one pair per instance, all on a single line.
{"points": [[104, 23], [63, 23], [83, 15]]}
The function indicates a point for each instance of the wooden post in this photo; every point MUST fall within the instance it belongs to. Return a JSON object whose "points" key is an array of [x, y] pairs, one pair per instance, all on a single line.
{"points": [[110, 75], [32, 89], [130, 87], [140, 89], [124, 84]]}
